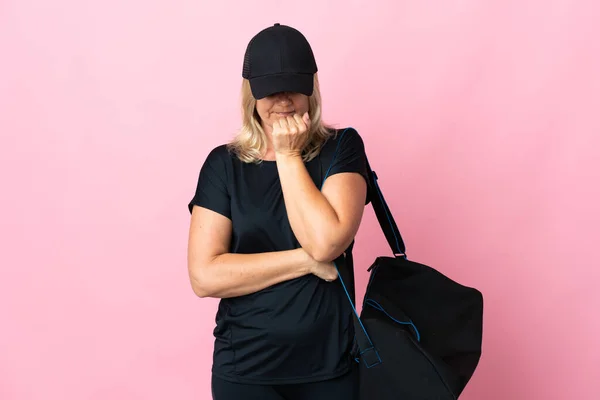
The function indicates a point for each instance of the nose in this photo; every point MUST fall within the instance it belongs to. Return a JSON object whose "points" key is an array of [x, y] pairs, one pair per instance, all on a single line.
{"points": [[283, 97]]}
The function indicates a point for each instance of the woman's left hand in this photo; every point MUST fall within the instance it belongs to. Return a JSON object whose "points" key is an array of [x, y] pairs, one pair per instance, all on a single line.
{"points": [[290, 134]]}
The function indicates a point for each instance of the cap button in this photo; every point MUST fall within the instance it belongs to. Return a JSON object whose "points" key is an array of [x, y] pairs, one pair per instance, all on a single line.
{"points": [[277, 24]]}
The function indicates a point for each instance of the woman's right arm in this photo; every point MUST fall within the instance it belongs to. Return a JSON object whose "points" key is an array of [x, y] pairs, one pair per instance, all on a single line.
{"points": [[214, 272]]}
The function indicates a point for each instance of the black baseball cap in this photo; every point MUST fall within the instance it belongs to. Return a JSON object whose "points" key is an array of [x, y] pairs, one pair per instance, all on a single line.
{"points": [[279, 59]]}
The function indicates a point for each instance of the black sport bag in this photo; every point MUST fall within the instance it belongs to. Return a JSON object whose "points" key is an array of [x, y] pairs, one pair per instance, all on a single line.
{"points": [[419, 332]]}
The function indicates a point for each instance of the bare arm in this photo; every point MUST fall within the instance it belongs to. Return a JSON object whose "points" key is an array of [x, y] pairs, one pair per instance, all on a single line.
{"points": [[214, 272], [326, 222]]}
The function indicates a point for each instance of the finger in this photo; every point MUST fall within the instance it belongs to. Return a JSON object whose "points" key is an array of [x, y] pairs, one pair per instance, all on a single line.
{"points": [[282, 124], [276, 127], [292, 125], [300, 122], [307, 121]]}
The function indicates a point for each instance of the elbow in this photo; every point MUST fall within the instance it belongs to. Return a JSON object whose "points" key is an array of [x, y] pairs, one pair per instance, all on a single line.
{"points": [[200, 284], [327, 248], [328, 243], [199, 289], [325, 256], [325, 251]]}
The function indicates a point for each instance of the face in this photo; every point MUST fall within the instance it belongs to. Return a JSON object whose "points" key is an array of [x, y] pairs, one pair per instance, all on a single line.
{"points": [[280, 105]]}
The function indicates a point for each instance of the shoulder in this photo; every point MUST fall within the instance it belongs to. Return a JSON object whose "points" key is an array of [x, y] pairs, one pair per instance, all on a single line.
{"points": [[212, 189], [220, 153], [350, 136], [219, 158], [346, 138], [217, 163]]}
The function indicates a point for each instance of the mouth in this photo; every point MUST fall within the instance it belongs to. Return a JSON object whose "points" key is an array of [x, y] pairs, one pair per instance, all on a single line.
{"points": [[284, 114]]}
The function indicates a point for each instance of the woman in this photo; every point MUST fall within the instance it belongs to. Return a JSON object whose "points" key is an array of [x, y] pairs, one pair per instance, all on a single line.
{"points": [[264, 234]]}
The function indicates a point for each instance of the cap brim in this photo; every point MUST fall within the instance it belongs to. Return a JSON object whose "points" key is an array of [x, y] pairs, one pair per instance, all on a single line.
{"points": [[270, 84]]}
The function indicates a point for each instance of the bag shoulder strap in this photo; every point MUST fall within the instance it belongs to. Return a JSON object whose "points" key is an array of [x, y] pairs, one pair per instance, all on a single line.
{"points": [[384, 215]]}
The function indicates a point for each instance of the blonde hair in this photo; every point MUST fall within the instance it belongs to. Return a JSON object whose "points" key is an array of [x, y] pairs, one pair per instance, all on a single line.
{"points": [[250, 143]]}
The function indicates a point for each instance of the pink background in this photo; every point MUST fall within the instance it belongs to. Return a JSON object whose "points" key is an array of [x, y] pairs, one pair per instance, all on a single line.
{"points": [[487, 114]]}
